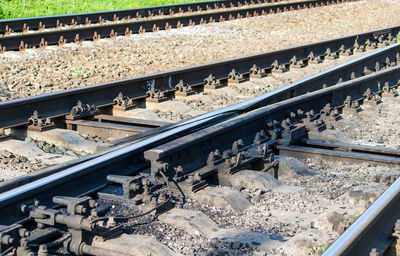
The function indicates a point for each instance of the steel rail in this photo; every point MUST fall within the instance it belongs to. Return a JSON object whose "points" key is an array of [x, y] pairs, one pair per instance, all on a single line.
{"points": [[60, 103], [304, 152], [373, 229], [93, 17], [91, 175], [188, 151], [52, 37]]}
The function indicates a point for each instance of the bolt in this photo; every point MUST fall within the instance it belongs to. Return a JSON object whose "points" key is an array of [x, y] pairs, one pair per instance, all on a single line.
{"points": [[80, 209], [7, 239], [211, 158], [23, 232], [397, 226], [226, 154], [300, 112], [93, 203], [83, 210], [235, 147], [111, 222], [93, 213], [43, 250], [374, 252]]}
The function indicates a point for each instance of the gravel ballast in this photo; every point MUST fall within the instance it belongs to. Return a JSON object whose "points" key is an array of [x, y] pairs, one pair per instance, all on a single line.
{"points": [[75, 65], [321, 199]]}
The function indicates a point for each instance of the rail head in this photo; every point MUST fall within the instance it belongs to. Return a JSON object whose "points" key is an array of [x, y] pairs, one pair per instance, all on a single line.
{"points": [[373, 229], [49, 104]]}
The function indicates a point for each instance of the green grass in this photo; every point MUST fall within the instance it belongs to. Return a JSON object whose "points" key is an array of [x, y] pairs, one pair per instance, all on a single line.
{"points": [[317, 249], [11, 9]]}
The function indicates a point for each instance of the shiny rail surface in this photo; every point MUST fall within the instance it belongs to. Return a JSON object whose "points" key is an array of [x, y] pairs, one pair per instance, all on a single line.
{"points": [[102, 95], [372, 231], [219, 128], [65, 204]]}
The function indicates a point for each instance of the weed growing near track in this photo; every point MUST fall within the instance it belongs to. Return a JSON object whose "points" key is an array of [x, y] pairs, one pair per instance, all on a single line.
{"points": [[317, 249], [10, 9], [79, 73]]}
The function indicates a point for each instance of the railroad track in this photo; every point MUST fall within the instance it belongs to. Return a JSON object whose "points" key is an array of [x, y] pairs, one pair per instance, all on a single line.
{"points": [[103, 115], [52, 120], [184, 169], [93, 26], [164, 85], [40, 23], [376, 230]]}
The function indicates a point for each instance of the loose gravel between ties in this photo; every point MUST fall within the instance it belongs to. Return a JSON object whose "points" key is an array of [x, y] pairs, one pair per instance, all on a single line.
{"points": [[43, 71], [322, 198]]}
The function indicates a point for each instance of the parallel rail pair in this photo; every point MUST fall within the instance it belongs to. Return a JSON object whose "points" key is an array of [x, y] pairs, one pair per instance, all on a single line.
{"points": [[41, 22], [90, 176], [22, 41], [241, 121], [102, 95]]}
